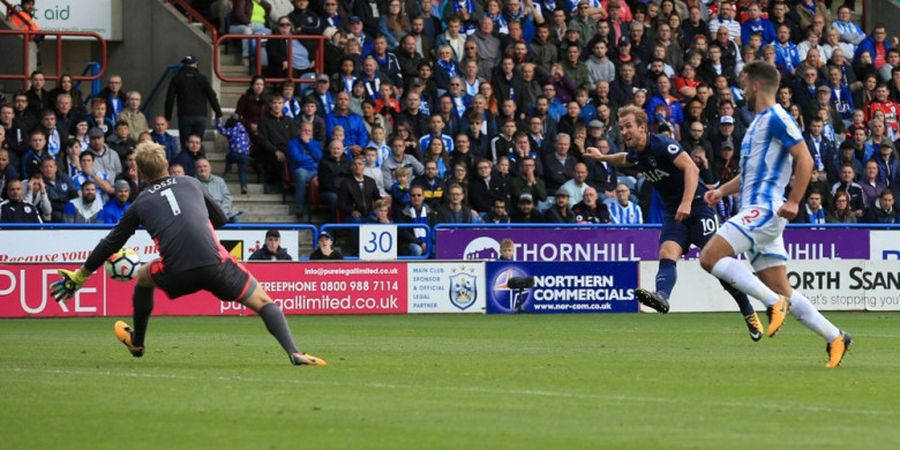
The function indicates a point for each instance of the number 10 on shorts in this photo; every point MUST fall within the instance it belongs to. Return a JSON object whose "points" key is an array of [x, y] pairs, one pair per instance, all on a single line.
{"points": [[378, 242]]}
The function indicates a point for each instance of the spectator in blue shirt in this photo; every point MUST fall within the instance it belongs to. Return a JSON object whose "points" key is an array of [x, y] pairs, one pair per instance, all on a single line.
{"points": [[304, 154], [113, 211], [354, 127]]}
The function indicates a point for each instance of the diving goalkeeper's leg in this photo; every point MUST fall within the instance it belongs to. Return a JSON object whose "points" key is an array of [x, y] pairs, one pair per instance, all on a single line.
{"points": [[142, 305], [277, 325]]}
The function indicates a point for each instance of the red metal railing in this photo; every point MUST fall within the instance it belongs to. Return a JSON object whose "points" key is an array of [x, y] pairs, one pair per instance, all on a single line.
{"points": [[194, 16], [27, 37], [319, 62]]}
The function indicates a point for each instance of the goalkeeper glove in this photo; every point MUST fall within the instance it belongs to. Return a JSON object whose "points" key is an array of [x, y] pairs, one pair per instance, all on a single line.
{"points": [[70, 283]]}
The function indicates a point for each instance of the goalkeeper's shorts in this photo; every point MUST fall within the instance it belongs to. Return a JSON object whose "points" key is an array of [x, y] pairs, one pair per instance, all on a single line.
{"points": [[228, 280]]}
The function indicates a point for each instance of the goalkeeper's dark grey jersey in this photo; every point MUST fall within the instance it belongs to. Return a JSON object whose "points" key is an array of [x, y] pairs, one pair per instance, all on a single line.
{"points": [[180, 218]]}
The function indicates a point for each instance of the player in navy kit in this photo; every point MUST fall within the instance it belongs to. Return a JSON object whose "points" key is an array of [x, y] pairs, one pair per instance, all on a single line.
{"points": [[689, 220], [180, 218]]}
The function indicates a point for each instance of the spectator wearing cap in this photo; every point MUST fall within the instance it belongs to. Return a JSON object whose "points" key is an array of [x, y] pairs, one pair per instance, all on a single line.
{"points": [[847, 156], [561, 212], [724, 131], [114, 209], [583, 23], [272, 249], [105, 159], [191, 90], [355, 30], [525, 211], [322, 95], [726, 166], [249, 17], [325, 249]]}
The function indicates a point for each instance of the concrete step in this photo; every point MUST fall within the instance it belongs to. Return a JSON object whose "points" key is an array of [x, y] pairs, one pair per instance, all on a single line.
{"points": [[267, 209], [267, 218], [274, 199], [252, 189]]}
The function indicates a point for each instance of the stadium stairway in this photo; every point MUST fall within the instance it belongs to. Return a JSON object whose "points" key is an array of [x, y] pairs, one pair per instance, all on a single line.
{"points": [[257, 206]]}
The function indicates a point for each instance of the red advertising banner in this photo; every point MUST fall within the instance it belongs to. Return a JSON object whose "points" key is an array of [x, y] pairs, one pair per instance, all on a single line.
{"points": [[307, 288]]}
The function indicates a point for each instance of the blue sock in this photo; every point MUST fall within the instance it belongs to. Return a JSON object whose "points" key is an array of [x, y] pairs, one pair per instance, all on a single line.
{"points": [[665, 278]]}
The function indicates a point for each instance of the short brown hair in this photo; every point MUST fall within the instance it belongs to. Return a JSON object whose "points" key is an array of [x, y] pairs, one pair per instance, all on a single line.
{"points": [[150, 158], [630, 110], [763, 72]]}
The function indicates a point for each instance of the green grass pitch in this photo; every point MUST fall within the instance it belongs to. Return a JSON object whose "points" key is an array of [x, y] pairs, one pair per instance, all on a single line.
{"points": [[454, 382]]}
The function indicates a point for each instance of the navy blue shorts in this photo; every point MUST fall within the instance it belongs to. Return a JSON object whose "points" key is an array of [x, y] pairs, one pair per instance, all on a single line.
{"points": [[697, 229]]}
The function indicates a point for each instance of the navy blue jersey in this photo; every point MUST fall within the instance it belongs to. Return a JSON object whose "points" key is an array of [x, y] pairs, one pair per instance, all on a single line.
{"points": [[657, 162]]}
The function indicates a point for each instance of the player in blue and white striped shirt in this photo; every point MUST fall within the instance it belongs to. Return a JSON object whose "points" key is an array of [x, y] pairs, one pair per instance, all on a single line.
{"points": [[623, 211], [768, 151]]}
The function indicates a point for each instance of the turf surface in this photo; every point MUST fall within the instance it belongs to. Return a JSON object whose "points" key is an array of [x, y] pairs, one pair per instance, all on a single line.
{"points": [[456, 382]]}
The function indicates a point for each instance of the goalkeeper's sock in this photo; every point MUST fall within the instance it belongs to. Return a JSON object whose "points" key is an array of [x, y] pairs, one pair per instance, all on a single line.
{"points": [[142, 303], [277, 325], [665, 277]]}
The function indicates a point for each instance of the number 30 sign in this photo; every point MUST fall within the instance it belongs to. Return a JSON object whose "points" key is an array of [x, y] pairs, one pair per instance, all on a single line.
{"points": [[378, 242]]}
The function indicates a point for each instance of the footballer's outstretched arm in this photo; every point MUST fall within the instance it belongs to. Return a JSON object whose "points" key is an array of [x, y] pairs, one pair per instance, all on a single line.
{"points": [[113, 241], [217, 215], [616, 159]]}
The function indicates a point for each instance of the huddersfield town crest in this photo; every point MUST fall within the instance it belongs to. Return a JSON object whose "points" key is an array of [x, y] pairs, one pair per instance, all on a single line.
{"points": [[463, 292]]}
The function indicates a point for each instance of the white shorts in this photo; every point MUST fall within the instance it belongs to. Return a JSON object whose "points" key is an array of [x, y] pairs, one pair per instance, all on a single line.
{"points": [[758, 233]]}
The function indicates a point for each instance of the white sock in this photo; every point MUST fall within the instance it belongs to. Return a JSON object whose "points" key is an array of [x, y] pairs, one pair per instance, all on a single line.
{"points": [[738, 275], [808, 315]]}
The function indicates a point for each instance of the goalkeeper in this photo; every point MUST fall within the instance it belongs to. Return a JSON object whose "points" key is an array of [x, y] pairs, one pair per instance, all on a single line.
{"points": [[180, 218]]}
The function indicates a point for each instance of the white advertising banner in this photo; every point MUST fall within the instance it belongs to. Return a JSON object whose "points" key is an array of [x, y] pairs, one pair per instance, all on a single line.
{"points": [[74, 246], [103, 17], [884, 245], [841, 285], [446, 287]]}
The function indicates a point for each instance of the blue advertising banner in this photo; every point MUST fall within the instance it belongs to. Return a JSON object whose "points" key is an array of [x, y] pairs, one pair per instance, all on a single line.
{"points": [[561, 287]]}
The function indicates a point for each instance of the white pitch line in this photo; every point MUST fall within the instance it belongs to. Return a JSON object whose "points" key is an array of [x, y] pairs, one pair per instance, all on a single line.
{"points": [[465, 389]]}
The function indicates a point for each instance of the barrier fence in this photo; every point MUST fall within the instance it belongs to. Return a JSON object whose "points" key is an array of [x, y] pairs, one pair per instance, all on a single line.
{"points": [[533, 242]]}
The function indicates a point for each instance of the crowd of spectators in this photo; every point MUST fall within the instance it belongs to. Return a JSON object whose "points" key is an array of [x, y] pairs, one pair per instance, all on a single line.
{"points": [[461, 111]]}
